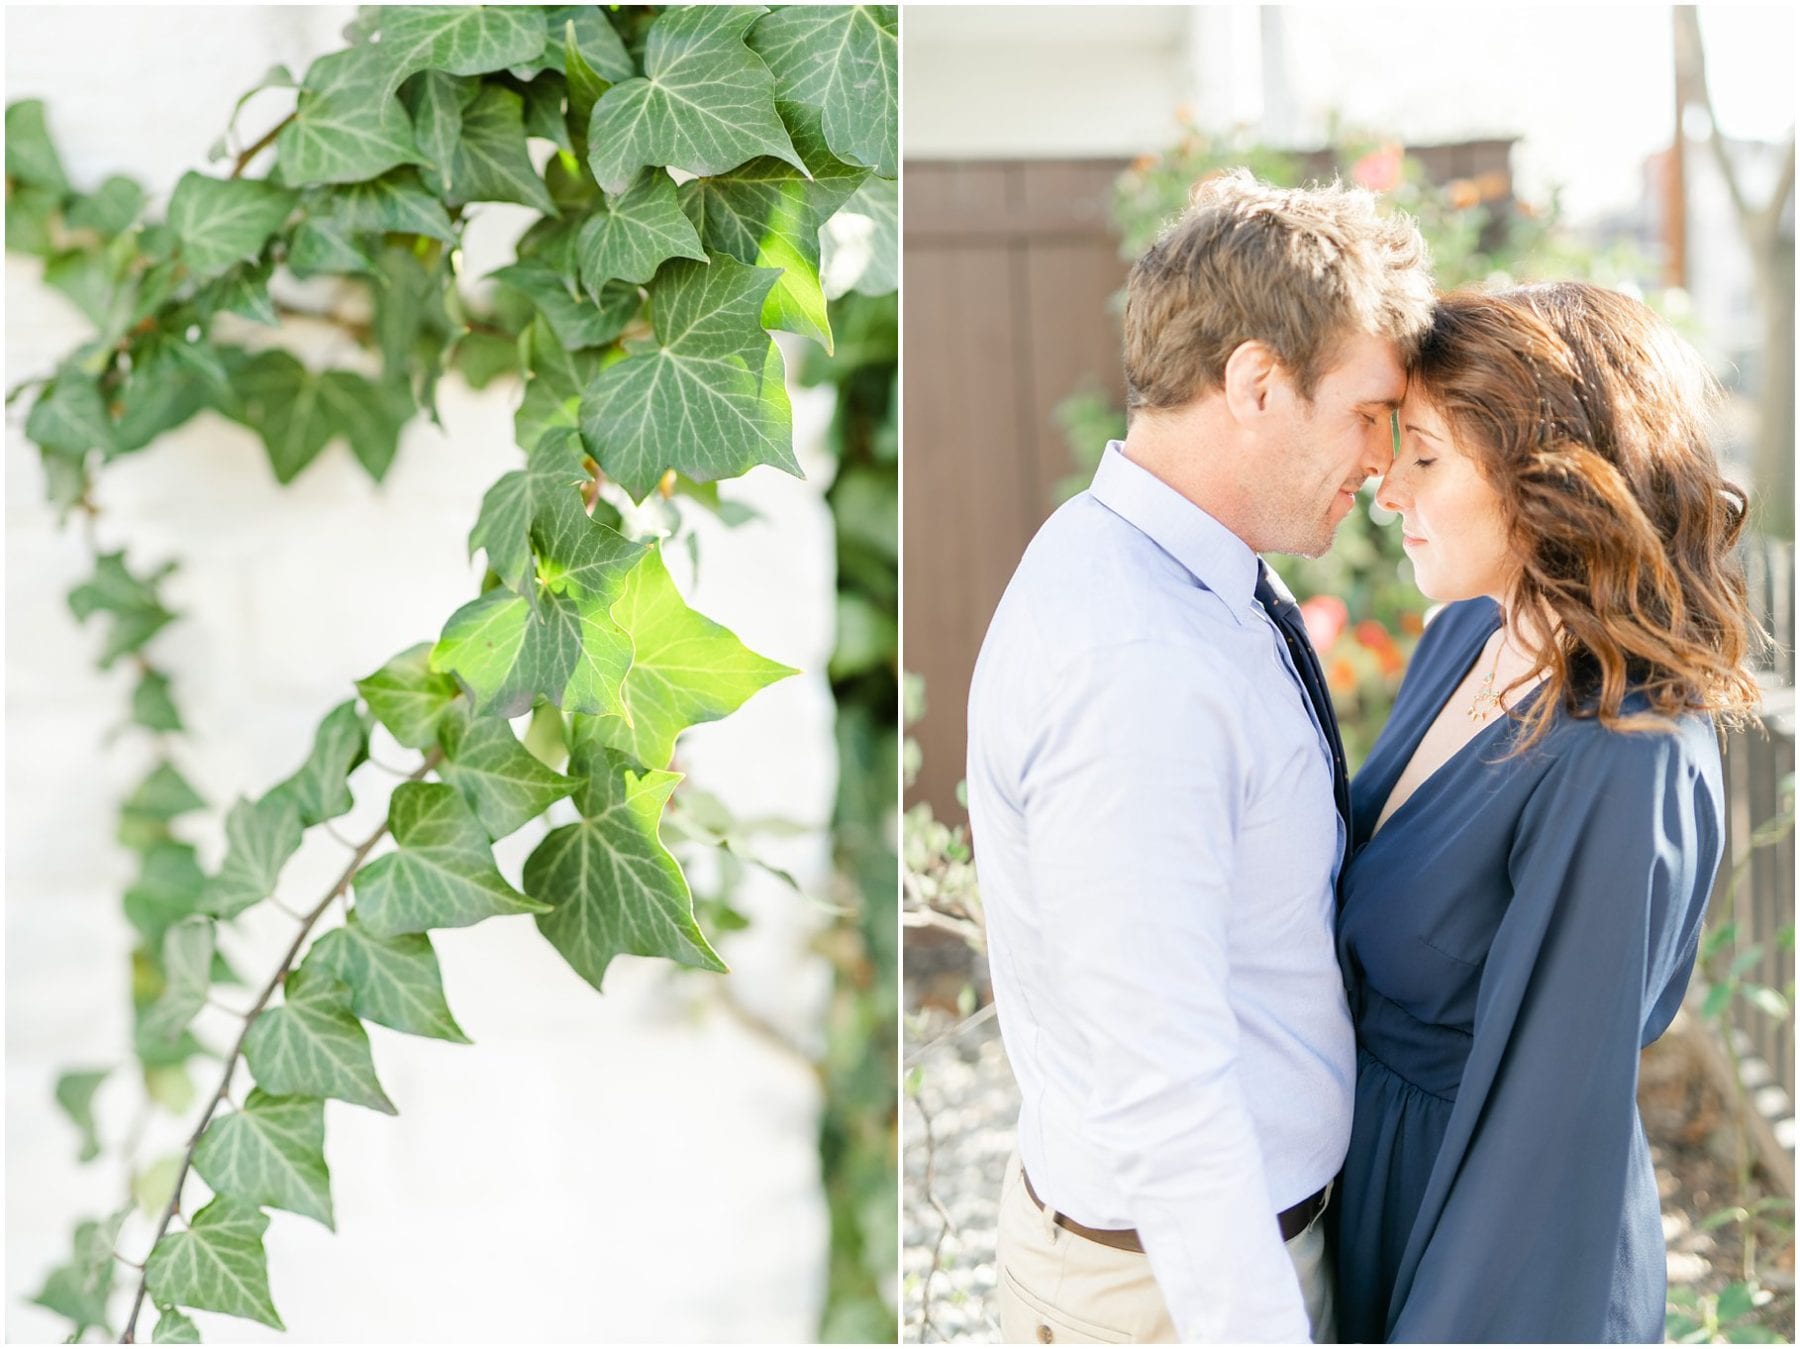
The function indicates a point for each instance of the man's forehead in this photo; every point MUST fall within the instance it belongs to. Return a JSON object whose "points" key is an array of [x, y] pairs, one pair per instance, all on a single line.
{"points": [[1373, 374]]}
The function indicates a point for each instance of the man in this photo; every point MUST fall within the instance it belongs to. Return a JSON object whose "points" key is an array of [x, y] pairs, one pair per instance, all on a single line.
{"points": [[1157, 795]]}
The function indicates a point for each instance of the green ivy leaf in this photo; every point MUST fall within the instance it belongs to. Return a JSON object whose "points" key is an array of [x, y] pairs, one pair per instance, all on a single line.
{"points": [[394, 981], [763, 214], [271, 1152], [576, 321], [29, 211], [99, 283], [441, 875], [162, 796], [245, 293], [169, 382], [708, 398], [151, 705], [615, 887], [586, 81], [862, 242], [503, 782], [630, 236], [843, 60], [491, 159], [75, 1094], [437, 101], [407, 697], [482, 357], [168, 888], [348, 125], [173, 1328], [553, 466], [78, 1290], [187, 957], [113, 589], [279, 400], [222, 222], [260, 837], [313, 1045], [457, 39], [686, 669], [563, 643], [31, 158], [595, 42], [70, 418], [169, 1085], [108, 210], [368, 415], [395, 203], [319, 788], [217, 1264], [543, 115], [704, 104], [153, 1187]]}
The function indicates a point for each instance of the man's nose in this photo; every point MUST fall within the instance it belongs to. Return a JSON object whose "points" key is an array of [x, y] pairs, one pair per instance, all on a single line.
{"points": [[1379, 456], [1389, 495]]}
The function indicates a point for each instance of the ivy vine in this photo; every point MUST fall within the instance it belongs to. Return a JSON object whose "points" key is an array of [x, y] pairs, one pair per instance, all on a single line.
{"points": [[714, 173]]}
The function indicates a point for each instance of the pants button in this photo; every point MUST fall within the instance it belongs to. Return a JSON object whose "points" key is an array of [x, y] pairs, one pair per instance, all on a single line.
{"points": [[1044, 1335]]}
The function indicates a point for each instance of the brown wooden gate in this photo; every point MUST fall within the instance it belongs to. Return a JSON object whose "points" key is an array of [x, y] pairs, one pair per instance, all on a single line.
{"points": [[1010, 270]]}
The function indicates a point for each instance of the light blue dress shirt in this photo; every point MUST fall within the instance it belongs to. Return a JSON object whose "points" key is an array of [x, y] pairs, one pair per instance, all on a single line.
{"points": [[1157, 845]]}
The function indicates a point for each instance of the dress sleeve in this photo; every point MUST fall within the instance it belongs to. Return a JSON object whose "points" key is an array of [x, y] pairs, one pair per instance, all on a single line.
{"points": [[1519, 1236], [1132, 805]]}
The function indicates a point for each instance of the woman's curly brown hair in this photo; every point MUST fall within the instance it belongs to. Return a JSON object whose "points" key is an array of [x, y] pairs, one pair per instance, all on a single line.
{"points": [[1589, 416]]}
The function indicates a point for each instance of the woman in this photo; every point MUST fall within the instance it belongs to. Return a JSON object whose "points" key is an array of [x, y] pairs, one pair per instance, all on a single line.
{"points": [[1539, 825]]}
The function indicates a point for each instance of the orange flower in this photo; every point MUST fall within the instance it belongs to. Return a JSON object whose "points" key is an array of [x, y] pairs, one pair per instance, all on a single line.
{"points": [[1462, 193], [1411, 624], [1379, 170], [1341, 676], [1378, 640]]}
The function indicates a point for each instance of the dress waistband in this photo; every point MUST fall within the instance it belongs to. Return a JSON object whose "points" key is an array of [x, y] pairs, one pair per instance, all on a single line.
{"points": [[1431, 1057]]}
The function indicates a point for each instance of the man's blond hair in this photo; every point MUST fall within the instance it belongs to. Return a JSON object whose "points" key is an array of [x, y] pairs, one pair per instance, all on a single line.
{"points": [[1300, 269]]}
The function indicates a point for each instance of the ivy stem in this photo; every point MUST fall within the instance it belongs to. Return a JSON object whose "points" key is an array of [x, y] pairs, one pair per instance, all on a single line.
{"points": [[214, 1002], [268, 990], [268, 139], [326, 826], [768, 1032], [123, 1260]]}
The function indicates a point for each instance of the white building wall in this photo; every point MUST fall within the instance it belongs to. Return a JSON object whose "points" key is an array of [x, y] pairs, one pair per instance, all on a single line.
{"points": [[623, 1167]]}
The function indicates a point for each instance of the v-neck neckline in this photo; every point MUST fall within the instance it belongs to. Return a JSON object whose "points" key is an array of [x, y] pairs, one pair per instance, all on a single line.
{"points": [[1380, 826]]}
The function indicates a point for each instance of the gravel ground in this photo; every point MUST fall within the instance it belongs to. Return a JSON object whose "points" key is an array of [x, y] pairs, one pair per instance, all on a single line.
{"points": [[959, 1133]]}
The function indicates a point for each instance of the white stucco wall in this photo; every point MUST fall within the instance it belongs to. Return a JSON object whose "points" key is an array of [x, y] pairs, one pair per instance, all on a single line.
{"points": [[621, 1167]]}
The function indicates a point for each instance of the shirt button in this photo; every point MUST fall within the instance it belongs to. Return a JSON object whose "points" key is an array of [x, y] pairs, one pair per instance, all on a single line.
{"points": [[1044, 1335]]}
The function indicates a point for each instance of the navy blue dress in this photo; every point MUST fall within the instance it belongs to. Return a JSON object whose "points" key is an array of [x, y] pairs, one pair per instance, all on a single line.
{"points": [[1511, 938]]}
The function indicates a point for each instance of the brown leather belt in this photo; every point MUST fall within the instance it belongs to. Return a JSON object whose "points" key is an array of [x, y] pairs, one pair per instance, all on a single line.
{"points": [[1293, 1222]]}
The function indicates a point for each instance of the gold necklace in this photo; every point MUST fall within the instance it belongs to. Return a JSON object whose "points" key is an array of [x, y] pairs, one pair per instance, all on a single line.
{"points": [[1486, 700]]}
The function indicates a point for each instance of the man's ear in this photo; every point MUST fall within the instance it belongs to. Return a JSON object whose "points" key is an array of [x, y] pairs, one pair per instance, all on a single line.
{"points": [[1250, 376]]}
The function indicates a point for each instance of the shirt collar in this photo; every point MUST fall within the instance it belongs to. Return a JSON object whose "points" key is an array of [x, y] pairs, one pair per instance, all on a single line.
{"points": [[1212, 554]]}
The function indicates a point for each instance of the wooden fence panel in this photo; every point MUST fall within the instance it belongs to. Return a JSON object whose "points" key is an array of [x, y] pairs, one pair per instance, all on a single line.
{"points": [[1010, 269]]}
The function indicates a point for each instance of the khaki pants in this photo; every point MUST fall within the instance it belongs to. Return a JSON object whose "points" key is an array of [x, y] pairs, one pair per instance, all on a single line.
{"points": [[1055, 1286]]}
